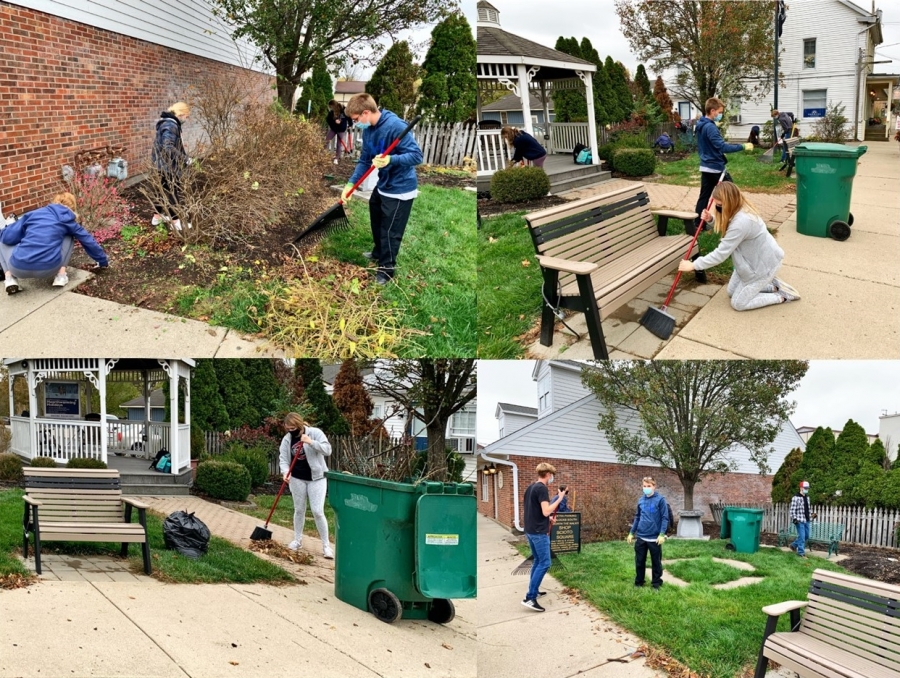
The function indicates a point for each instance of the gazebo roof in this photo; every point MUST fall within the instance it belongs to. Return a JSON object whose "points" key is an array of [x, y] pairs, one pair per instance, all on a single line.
{"points": [[497, 42]]}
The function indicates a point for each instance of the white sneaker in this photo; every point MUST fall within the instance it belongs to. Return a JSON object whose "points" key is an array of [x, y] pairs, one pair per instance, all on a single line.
{"points": [[12, 286], [159, 219], [335, 162], [294, 545], [176, 224], [61, 280], [328, 553], [787, 291]]}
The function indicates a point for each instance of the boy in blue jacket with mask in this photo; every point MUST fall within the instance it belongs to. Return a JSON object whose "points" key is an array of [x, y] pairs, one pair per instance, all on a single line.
{"points": [[648, 533], [391, 201]]}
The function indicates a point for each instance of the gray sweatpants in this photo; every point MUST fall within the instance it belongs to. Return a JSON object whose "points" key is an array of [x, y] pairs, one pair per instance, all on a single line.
{"points": [[6, 252], [315, 490], [754, 294]]}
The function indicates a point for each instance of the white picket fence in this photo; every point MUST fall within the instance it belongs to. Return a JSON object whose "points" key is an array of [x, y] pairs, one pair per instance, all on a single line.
{"points": [[872, 527], [441, 143]]}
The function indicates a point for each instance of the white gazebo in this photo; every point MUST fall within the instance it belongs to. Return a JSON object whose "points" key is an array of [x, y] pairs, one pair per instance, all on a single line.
{"points": [[57, 421], [507, 61]]}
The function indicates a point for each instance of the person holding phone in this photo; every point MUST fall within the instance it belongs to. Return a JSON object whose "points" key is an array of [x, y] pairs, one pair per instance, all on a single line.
{"points": [[538, 510]]}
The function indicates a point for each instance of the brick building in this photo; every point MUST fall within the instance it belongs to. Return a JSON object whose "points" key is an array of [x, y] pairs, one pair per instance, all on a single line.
{"points": [[563, 431], [77, 75]]}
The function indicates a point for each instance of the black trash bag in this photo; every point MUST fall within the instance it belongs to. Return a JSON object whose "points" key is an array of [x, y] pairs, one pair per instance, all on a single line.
{"points": [[186, 534]]}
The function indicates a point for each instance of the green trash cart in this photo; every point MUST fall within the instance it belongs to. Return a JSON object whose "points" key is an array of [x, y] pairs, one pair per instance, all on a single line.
{"points": [[824, 182], [743, 526], [403, 550]]}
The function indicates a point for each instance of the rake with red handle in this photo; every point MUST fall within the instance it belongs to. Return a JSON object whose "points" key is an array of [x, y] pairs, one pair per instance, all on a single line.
{"points": [[260, 533]]}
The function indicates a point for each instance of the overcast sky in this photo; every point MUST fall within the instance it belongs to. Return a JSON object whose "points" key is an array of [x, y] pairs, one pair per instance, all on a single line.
{"points": [[831, 392], [543, 22]]}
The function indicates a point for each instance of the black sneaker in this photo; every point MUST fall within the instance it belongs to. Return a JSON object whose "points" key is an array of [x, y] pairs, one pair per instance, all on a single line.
{"points": [[382, 278], [541, 593], [532, 605]]}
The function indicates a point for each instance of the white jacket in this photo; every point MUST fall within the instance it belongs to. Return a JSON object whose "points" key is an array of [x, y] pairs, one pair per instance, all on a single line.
{"points": [[315, 452], [752, 248]]}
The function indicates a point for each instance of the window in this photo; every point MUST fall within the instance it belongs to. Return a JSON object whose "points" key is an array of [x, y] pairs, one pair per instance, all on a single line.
{"points": [[809, 53], [814, 101], [462, 423], [501, 432], [377, 411], [484, 486], [544, 393], [684, 110]]}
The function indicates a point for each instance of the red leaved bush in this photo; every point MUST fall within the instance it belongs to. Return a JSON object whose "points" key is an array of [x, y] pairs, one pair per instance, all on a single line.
{"points": [[102, 210]]}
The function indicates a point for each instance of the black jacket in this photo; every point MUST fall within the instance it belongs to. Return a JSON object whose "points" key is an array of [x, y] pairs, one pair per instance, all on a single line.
{"points": [[339, 125], [168, 151]]}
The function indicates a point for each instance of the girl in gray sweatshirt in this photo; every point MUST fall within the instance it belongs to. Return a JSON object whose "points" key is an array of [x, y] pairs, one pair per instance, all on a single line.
{"points": [[753, 250]]}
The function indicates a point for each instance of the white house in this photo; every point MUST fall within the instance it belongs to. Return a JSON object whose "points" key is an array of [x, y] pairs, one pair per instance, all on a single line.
{"points": [[805, 432], [508, 111], [889, 432], [828, 55]]}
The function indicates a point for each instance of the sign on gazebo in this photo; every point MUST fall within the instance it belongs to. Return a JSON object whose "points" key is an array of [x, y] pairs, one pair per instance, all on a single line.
{"points": [[62, 400]]}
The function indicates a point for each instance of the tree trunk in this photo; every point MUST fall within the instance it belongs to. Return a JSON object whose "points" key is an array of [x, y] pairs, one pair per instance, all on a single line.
{"points": [[286, 92], [688, 486], [437, 451]]}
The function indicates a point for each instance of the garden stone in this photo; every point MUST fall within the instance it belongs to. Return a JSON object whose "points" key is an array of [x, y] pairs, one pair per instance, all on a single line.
{"points": [[689, 525]]}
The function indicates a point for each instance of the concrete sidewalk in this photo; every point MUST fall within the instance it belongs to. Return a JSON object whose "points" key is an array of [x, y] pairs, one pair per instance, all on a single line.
{"points": [[570, 638], [147, 628], [44, 321]]}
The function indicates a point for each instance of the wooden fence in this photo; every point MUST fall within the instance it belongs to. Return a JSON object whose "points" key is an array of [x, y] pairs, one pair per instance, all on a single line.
{"points": [[441, 143], [872, 527]]}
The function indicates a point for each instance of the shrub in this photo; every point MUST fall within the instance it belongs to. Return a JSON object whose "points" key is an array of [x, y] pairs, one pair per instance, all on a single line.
{"points": [[607, 515], [833, 127], [101, 209], [605, 152], [519, 184], [254, 459], [634, 162], [42, 462], [85, 462], [198, 442], [223, 480], [5, 439], [10, 467]]}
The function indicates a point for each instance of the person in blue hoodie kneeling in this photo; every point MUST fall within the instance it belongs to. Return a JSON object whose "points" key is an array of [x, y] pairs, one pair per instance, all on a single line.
{"points": [[40, 244], [648, 533], [391, 201]]}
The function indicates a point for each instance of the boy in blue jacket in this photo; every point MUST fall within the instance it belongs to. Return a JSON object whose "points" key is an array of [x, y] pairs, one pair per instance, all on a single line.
{"points": [[397, 187], [712, 149], [650, 523], [40, 244]]}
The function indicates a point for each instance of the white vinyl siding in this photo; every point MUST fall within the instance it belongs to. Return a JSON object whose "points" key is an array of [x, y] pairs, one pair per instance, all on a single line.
{"points": [[565, 385], [512, 422], [185, 25], [544, 401]]}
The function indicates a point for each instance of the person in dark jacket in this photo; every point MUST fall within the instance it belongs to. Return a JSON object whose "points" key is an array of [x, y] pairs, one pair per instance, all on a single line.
{"points": [[712, 149], [785, 121], [648, 533], [392, 199], [525, 147], [754, 136], [40, 244], [338, 125], [664, 143], [170, 159]]}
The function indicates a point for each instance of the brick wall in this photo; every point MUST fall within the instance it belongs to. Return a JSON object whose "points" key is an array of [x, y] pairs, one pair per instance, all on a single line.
{"points": [[66, 87], [586, 477]]}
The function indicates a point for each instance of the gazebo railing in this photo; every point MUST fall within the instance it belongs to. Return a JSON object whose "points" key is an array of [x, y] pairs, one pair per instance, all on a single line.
{"points": [[65, 440], [493, 153], [21, 436], [564, 136]]}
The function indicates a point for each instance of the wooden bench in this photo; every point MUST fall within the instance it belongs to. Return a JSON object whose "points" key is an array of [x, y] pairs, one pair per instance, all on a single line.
{"points": [[851, 629], [599, 253], [828, 534], [64, 504]]}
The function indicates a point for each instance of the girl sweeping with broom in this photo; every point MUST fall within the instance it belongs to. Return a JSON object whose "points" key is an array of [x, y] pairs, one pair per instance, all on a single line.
{"points": [[756, 255]]}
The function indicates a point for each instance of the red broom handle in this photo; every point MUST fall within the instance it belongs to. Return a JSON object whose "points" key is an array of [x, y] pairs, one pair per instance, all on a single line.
{"points": [[693, 242], [278, 496], [386, 152]]}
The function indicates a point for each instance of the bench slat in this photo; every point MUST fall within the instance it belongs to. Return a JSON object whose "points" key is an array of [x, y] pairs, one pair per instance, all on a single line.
{"points": [[557, 231], [868, 585], [132, 537], [49, 492], [591, 222], [604, 242], [70, 473], [536, 219], [863, 643], [867, 620], [812, 657]]}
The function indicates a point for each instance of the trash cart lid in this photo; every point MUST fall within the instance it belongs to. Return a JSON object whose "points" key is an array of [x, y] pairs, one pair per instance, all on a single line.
{"points": [[822, 150], [446, 551]]}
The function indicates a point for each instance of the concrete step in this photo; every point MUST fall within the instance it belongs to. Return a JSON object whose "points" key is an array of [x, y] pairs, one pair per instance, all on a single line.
{"points": [[557, 187], [157, 490], [156, 479], [574, 172]]}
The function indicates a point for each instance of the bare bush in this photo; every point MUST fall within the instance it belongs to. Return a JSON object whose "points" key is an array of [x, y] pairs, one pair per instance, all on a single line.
{"points": [[218, 102], [608, 515]]}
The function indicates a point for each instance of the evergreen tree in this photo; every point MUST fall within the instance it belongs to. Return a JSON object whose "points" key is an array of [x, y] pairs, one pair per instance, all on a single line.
{"points": [[601, 117], [661, 95], [895, 465], [569, 105], [393, 84], [878, 455], [849, 452], [235, 392], [326, 416], [783, 487], [352, 399], [621, 93], [643, 82], [890, 493], [448, 88], [317, 88], [208, 411], [866, 487], [266, 392], [816, 466]]}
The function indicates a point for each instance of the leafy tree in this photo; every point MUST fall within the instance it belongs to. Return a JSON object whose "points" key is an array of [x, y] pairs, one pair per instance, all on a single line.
{"points": [[352, 398], [895, 465], [661, 96], [235, 391], [448, 88], [569, 105], [431, 390], [878, 455], [686, 416], [867, 486], [294, 34], [890, 493], [208, 411], [393, 84], [642, 81], [783, 487], [816, 466], [317, 92], [267, 391], [721, 48], [326, 416]]}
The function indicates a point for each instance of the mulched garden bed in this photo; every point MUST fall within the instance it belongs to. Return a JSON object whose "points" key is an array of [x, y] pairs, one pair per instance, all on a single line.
{"points": [[488, 207]]}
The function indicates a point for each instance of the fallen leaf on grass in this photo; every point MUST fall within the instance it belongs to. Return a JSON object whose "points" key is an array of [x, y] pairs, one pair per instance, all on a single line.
{"points": [[526, 263], [492, 239]]}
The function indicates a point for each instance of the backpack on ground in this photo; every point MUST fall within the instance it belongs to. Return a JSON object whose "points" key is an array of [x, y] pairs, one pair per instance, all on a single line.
{"points": [[575, 151], [159, 455], [164, 465], [584, 157]]}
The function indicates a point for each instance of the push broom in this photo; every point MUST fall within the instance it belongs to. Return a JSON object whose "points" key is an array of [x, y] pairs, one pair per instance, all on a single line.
{"points": [[261, 533], [336, 217], [658, 320]]}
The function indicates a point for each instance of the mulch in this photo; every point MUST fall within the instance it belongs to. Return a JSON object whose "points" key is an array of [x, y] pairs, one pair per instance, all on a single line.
{"points": [[488, 207]]}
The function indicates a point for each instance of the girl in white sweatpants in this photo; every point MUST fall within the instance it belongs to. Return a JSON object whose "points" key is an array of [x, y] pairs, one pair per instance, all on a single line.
{"points": [[753, 250]]}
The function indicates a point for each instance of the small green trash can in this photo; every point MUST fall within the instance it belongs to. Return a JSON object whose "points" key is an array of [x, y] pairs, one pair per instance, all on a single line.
{"points": [[824, 182], [743, 525], [403, 549]]}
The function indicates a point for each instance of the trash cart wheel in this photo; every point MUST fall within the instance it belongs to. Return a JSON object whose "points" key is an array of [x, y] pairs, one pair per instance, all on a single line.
{"points": [[441, 611], [839, 230], [850, 219], [385, 605], [729, 546]]}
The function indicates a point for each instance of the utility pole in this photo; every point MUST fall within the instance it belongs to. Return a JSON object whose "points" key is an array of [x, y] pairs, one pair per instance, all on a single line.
{"points": [[777, 31]]}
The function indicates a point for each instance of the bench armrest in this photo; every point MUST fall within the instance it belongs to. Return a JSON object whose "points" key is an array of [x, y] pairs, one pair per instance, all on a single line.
{"points": [[674, 214], [779, 609], [32, 501], [134, 502], [566, 266]]}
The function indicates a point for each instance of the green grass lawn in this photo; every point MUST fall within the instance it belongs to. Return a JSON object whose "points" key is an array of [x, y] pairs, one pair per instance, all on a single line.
{"points": [[706, 571], [284, 513], [715, 633], [435, 285], [744, 168], [223, 563]]}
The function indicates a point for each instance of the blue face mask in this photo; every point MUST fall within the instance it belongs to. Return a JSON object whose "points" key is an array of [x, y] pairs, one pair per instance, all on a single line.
{"points": [[362, 125], [718, 118], [648, 491]]}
